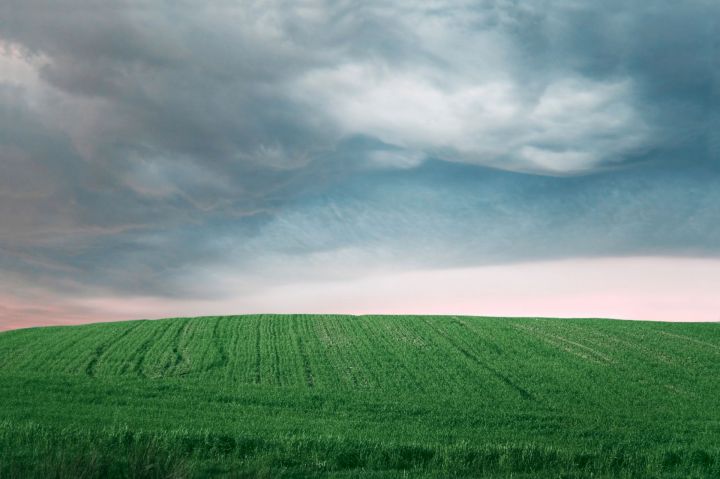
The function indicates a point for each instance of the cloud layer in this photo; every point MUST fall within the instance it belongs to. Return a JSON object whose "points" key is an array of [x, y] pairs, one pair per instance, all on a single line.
{"points": [[148, 147]]}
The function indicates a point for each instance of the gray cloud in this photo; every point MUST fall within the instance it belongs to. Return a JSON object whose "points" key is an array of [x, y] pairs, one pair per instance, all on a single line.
{"points": [[143, 143]]}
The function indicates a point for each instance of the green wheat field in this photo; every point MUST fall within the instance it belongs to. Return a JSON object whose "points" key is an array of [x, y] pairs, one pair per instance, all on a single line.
{"points": [[361, 396]]}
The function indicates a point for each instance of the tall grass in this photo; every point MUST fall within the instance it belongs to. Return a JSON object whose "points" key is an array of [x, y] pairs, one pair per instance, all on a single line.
{"points": [[33, 450]]}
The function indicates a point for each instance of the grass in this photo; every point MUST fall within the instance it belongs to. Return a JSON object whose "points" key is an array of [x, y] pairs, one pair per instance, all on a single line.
{"points": [[369, 396]]}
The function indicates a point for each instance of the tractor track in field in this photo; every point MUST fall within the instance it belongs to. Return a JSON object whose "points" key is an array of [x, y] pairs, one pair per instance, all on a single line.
{"points": [[258, 355], [714, 347], [307, 369], [90, 368], [217, 343], [524, 393]]}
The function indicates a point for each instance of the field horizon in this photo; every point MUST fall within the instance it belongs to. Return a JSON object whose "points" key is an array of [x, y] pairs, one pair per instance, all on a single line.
{"points": [[354, 315], [361, 396]]}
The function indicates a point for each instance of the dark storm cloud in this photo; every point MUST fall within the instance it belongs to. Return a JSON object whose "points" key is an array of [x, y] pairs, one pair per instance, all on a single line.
{"points": [[671, 51], [143, 142]]}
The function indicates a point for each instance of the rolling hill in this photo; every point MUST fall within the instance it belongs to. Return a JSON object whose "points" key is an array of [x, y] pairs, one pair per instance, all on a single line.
{"points": [[361, 396]]}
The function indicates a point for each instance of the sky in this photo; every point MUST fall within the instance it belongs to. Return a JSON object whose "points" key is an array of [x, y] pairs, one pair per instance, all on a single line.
{"points": [[545, 158]]}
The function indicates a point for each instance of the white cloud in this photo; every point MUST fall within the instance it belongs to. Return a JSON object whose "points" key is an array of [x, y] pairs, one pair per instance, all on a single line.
{"points": [[19, 69], [573, 124], [569, 160], [395, 158]]}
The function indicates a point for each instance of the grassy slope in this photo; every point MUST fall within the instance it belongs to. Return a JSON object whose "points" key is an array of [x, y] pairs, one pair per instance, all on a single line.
{"points": [[341, 395]]}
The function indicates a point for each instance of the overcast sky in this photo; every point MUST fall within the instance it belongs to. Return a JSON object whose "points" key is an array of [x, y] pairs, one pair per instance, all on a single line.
{"points": [[167, 158]]}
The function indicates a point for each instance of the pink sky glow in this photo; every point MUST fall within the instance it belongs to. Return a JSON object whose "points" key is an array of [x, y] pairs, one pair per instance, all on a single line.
{"points": [[664, 289]]}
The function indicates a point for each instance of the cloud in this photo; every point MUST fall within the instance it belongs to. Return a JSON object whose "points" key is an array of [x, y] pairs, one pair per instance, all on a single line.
{"points": [[145, 144], [571, 125], [274, 85]]}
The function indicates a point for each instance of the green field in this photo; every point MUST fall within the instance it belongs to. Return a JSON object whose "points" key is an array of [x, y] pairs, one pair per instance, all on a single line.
{"points": [[361, 396]]}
